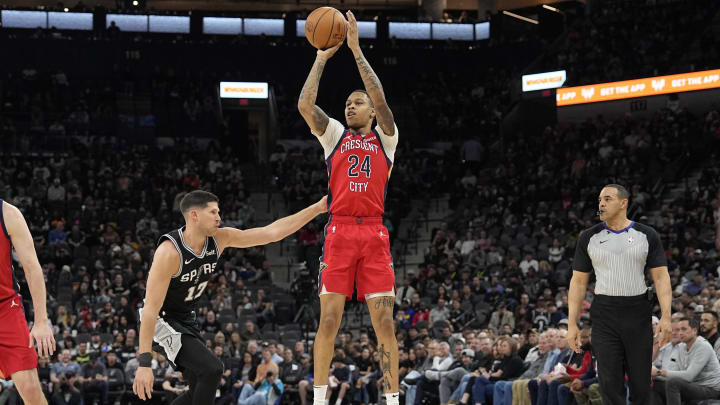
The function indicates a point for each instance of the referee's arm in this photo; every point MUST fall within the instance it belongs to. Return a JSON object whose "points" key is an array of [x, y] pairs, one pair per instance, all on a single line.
{"points": [[576, 296], [657, 263], [582, 267]]}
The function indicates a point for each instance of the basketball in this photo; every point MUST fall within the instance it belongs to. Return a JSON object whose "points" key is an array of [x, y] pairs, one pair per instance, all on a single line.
{"points": [[325, 27]]}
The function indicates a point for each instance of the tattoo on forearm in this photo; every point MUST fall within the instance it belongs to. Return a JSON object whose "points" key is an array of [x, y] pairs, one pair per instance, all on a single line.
{"points": [[385, 367], [369, 77], [384, 302], [310, 88]]}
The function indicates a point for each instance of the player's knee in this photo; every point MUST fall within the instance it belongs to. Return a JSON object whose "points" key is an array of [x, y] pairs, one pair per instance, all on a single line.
{"points": [[329, 322], [386, 327], [30, 390]]}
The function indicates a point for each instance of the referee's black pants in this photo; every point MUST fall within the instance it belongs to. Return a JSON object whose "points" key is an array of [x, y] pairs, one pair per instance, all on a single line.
{"points": [[622, 339]]}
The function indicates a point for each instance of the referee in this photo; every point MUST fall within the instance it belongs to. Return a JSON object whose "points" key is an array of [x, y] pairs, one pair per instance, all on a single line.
{"points": [[619, 250]]}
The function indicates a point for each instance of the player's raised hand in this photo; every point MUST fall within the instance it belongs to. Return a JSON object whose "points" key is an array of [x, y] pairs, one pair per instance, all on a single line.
{"points": [[143, 383], [43, 336], [326, 54], [352, 32]]}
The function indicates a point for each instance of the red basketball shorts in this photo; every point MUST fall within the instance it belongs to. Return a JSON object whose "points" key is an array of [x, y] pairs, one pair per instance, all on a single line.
{"points": [[15, 351], [356, 253]]}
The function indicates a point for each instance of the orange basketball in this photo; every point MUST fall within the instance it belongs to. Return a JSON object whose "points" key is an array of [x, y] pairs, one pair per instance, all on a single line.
{"points": [[325, 27]]}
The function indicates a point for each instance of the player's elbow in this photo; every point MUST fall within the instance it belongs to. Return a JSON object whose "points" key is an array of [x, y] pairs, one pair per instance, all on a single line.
{"points": [[304, 108]]}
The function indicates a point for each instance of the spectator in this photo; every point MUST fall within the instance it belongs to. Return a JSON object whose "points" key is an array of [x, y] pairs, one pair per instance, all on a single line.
{"points": [[264, 392], [571, 371], [510, 366], [94, 379], [451, 379], [709, 329], [58, 235], [672, 356], [696, 286], [406, 290], [96, 345], [211, 324], [556, 252], [266, 366], [299, 350], [501, 317], [529, 263], [585, 389], [701, 379], [529, 351], [339, 380], [82, 356], [67, 393], [561, 354], [174, 386], [439, 312], [291, 371], [305, 385], [424, 361], [503, 390], [56, 192], [65, 368], [430, 380], [250, 333], [44, 374], [112, 362]]}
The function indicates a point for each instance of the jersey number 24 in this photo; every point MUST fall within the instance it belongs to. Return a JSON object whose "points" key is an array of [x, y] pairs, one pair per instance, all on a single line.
{"points": [[364, 167]]}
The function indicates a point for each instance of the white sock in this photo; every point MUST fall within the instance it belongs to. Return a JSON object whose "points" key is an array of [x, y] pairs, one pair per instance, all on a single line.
{"points": [[319, 392], [392, 398], [338, 402]]}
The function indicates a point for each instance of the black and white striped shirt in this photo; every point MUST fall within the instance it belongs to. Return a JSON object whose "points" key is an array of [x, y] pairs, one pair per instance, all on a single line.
{"points": [[619, 258]]}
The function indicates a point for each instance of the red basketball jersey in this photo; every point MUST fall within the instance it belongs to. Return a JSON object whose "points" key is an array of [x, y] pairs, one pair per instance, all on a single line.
{"points": [[8, 284], [359, 167]]}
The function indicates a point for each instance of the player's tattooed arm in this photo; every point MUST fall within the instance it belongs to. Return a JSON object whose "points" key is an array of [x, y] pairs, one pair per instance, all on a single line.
{"points": [[384, 115], [315, 117]]}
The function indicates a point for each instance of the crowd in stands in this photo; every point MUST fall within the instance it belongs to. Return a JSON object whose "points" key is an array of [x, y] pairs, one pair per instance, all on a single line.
{"points": [[621, 40], [469, 316], [493, 282]]}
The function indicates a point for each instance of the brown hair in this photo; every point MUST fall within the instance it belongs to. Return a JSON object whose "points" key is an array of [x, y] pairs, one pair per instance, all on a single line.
{"points": [[510, 341]]}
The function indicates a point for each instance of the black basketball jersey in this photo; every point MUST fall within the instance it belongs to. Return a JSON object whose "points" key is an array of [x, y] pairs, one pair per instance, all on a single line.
{"points": [[191, 279]]}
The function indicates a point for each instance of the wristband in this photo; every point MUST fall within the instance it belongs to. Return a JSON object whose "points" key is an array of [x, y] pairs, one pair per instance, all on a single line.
{"points": [[145, 359]]}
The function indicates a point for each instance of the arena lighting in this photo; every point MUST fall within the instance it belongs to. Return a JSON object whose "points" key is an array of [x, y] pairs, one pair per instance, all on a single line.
{"points": [[135, 3], [545, 6], [519, 17], [66, 9], [650, 86]]}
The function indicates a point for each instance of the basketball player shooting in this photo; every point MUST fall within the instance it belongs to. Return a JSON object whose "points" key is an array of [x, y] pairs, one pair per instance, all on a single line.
{"points": [[357, 246], [18, 360], [181, 269]]}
